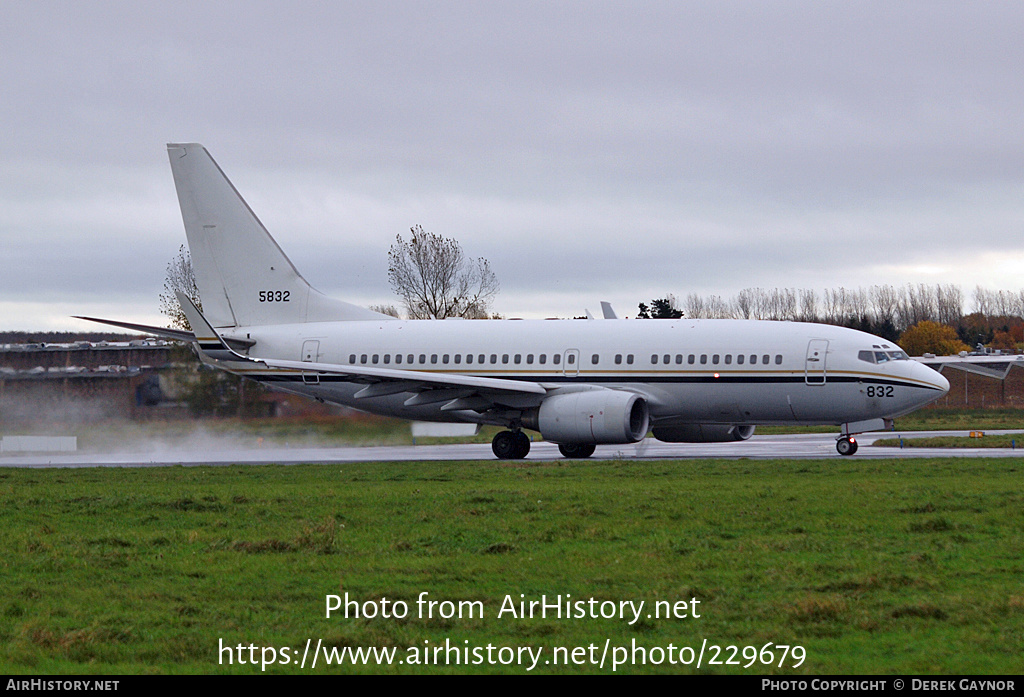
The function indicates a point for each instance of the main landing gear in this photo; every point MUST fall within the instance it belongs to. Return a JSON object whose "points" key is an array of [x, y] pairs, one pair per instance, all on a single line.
{"points": [[577, 450], [510, 445], [847, 445], [515, 445]]}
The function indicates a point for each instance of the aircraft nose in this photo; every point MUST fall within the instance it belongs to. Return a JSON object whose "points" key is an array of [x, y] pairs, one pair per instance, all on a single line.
{"points": [[934, 379]]}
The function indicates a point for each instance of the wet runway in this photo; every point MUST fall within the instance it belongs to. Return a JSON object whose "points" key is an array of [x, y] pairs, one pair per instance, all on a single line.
{"points": [[803, 446]]}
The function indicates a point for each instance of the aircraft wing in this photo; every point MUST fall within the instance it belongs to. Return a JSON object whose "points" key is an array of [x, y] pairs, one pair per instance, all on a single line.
{"points": [[383, 381], [457, 390]]}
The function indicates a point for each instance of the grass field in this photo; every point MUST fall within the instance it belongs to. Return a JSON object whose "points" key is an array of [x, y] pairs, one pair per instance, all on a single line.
{"points": [[989, 441], [872, 566]]}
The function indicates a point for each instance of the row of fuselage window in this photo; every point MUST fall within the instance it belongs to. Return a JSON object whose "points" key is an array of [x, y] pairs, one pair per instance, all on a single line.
{"points": [[570, 359]]}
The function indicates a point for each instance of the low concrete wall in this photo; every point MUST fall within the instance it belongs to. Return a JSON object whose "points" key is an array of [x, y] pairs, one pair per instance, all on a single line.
{"points": [[38, 444]]}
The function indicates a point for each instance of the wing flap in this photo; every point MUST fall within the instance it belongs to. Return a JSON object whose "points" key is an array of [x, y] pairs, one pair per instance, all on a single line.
{"points": [[422, 378]]}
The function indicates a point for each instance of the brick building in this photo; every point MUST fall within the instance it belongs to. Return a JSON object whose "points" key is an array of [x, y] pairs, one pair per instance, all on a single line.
{"points": [[88, 381]]}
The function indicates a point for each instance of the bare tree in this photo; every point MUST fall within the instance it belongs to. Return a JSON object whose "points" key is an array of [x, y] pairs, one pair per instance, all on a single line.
{"points": [[1005, 303], [786, 304], [808, 306], [180, 277], [435, 280], [743, 303], [833, 309], [982, 301], [949, 304], [885, 303], [386, 310], [718, 308], [694, 307], [860, 305]]}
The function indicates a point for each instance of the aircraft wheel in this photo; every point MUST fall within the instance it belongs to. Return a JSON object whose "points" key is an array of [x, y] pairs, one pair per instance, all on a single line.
{"points": [[846, 446], [522, 445], [504, 445], [577, 450], [511, 445]]}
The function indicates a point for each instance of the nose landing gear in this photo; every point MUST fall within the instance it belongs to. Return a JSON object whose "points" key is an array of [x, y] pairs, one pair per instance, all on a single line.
{"points": [[847, 445]]}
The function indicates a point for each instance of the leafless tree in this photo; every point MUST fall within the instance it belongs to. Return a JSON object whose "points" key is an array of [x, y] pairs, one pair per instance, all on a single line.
{"points": [[434, 279], [949, 304], [1006, 303], [694, 307], [180, 277], [860, 305], [386, 310], [786, 304], [884, 303], [885, 308], [808, 306], [716, 308], [983, 301], [743, 304], [832, 312], [916, 305]]}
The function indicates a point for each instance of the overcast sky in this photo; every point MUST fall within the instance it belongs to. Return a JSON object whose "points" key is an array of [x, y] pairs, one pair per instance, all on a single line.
{"points": [[591, 151]]}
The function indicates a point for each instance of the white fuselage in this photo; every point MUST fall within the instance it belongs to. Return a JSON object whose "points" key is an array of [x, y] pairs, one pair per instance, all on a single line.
{"points": [[689, 371]]}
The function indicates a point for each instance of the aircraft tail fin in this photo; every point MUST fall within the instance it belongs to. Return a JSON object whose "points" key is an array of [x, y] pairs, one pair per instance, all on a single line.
{"points": [[244, 277]]}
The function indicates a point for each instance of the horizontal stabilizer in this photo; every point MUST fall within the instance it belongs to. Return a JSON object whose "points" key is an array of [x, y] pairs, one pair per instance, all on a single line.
{"points": [[167, 333], [175, 334]]}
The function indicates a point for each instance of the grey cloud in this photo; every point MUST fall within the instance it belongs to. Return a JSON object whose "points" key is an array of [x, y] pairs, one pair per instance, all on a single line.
{"points": [[576, 145]]}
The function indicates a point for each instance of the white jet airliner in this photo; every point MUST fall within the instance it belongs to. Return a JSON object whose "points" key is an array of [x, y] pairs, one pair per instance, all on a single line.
{"points": [[578, 383]]}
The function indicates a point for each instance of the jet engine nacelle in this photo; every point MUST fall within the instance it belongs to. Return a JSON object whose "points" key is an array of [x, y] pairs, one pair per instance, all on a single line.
{"points": [[702, 433], [592, 416]]}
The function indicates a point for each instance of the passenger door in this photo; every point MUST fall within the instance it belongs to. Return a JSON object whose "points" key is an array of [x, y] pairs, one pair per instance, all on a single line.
{"points": [[310, 354], [814, 365]]}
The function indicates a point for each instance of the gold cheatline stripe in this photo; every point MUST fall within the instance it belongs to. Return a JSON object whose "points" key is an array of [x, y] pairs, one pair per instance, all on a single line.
{"points": [[597, 373]]}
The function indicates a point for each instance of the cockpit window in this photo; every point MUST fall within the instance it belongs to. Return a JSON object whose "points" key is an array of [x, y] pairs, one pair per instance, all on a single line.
{"points": [[882, 356]]}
